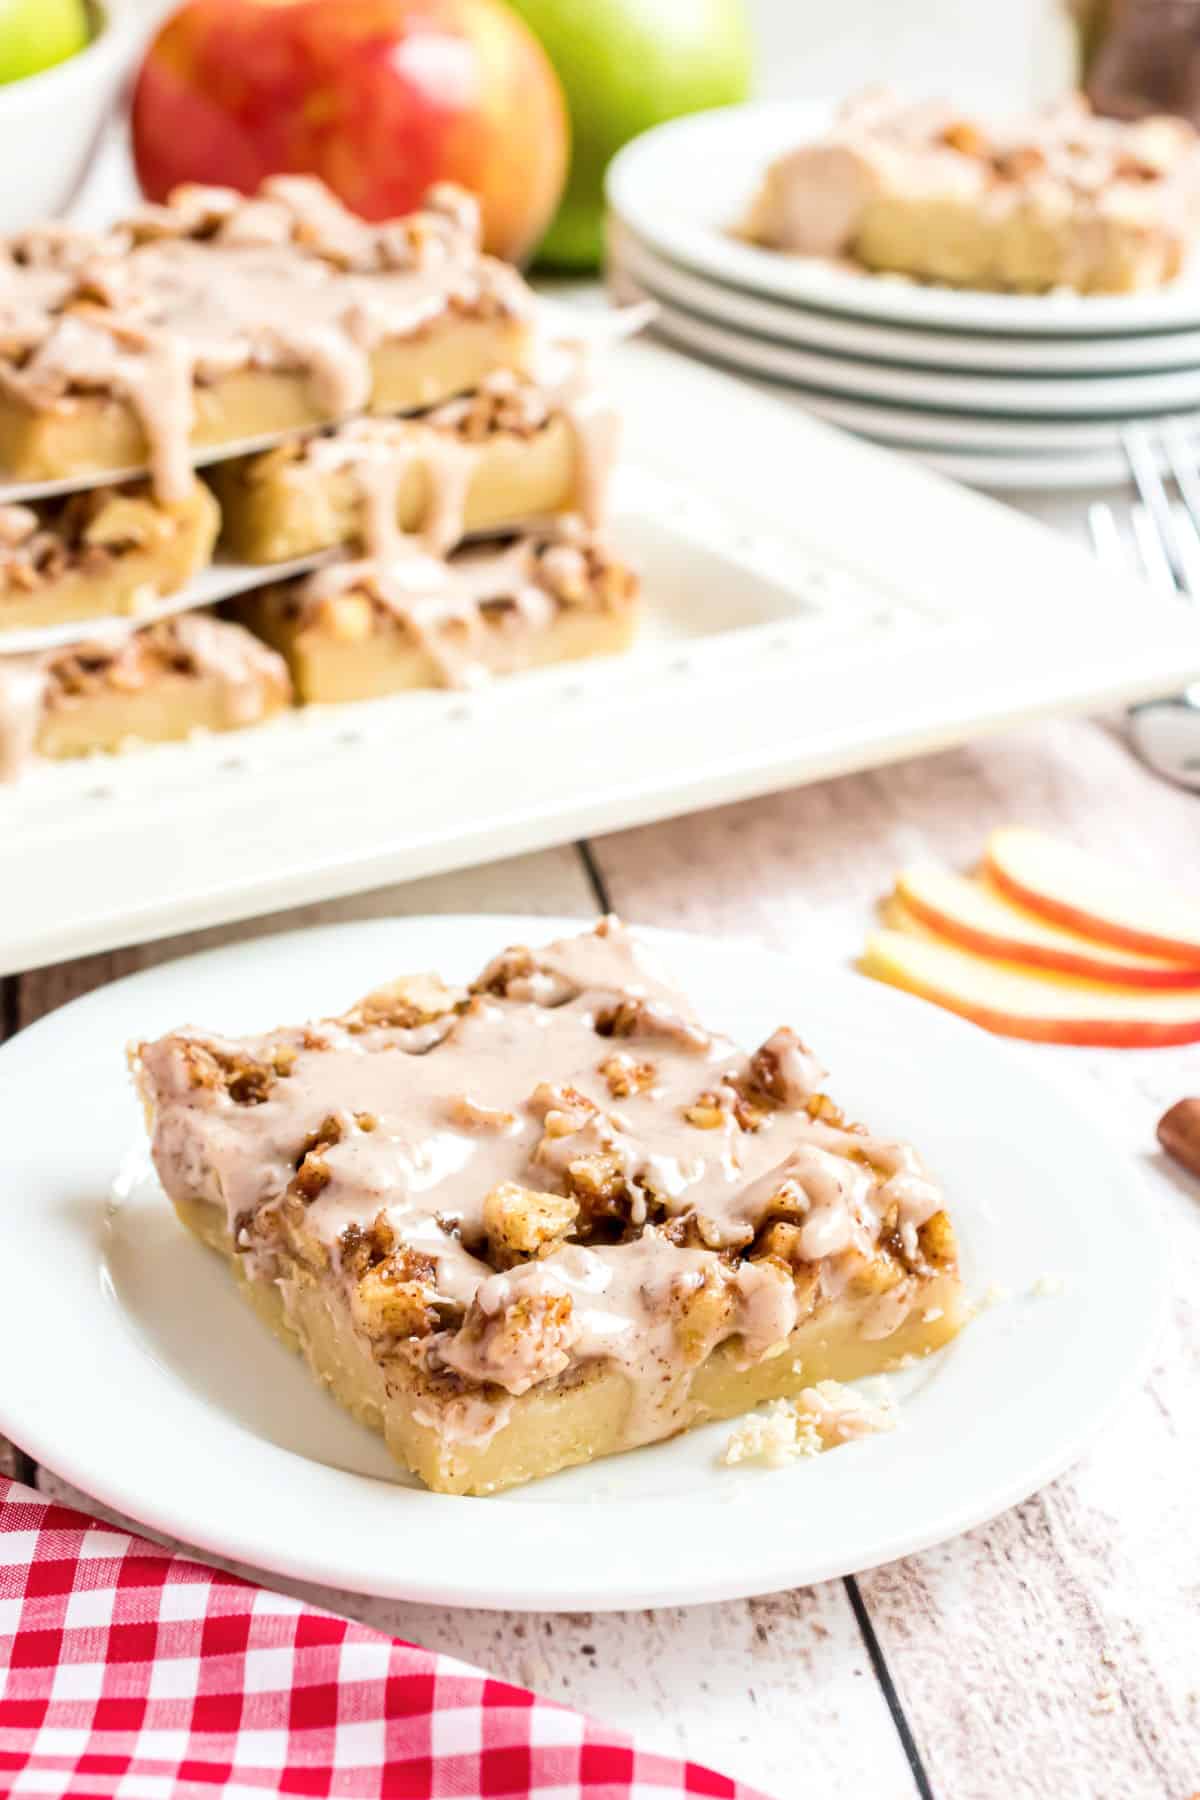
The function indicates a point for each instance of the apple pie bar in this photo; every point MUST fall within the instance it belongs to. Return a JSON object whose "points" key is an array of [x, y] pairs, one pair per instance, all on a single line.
{"points": [[523, 1225], [99, 554], [360, 629], [512, 450], [1062, 200], [219, 318], [186, 674]]}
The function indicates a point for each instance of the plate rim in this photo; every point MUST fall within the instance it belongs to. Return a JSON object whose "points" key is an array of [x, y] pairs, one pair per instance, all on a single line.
{"points": [[183, 1517], [895, 342], [892, 420], [809, 280], [1001, 395]]}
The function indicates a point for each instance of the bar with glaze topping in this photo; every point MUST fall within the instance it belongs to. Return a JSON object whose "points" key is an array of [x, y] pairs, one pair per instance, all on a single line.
{"points": [[99, 554], [404, 619], [1062, 199], [516, 448], [529, 1223], [218, 318], [189, 673]]}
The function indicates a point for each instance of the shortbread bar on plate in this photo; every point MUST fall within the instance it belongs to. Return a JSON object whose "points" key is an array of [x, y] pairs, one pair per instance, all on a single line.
{"points": [[358, 630], [101, 553], [190, 673], [511, 451], [217, 319], [522, 1225], [1060, 200]]}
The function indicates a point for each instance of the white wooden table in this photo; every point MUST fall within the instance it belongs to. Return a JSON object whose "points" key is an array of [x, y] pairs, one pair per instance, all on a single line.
{"points": [[1053, 1653]]}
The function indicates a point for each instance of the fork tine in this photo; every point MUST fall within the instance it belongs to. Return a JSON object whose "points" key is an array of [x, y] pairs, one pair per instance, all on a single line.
{"points": [[1102, 526], [1139, 451], [1152, 555], [1180, 441]]}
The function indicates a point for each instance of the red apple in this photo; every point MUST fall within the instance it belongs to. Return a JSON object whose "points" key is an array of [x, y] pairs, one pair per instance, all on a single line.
{"points": [[1015, 1002], [1085, 893], [381, 98], [977, 916]]}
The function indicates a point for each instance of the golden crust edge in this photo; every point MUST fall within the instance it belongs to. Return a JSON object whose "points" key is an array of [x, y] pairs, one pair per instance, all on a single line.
{"points": [[581, 1420]]}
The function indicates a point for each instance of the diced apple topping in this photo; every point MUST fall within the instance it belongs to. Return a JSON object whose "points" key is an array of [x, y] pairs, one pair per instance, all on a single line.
{"points": [[786, 1069], [409, 1001], [702, 1309], [397, 1297], [523, 1222], [516, 974], [630, 1017], [527, 1338]]}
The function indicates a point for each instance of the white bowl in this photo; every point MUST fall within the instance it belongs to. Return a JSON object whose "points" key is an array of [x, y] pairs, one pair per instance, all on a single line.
{"points": [[50, 124]]}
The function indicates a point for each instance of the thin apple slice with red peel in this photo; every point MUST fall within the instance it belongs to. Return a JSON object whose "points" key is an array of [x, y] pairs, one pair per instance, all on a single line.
{"points": [[1086, 893], [1014, 1002], [976, 915]]}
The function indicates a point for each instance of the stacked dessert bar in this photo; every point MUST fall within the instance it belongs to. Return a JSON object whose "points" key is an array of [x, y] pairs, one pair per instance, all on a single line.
{"points": [[408, 404]]}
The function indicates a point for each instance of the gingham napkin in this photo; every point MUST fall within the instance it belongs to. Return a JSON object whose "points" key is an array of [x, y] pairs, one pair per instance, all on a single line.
{"points": [[128, 1673]]}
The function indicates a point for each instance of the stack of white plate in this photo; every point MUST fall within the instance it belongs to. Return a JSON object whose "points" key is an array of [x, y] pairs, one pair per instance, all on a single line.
{"points": [[1002, 390]]}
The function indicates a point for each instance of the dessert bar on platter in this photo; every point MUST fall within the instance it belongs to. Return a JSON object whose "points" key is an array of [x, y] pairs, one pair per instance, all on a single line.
{"points": [[357, 630], [218, 318], [514, 448], [1063, 199], [101, 553], [187, 674], [528, 1223]]}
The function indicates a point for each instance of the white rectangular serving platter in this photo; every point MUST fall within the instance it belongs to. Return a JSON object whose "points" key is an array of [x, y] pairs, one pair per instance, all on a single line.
{"points": [[815, 606]]}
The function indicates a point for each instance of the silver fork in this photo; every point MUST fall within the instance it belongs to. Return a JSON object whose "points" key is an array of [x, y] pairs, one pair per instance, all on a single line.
{"points": [[1166, 535]]}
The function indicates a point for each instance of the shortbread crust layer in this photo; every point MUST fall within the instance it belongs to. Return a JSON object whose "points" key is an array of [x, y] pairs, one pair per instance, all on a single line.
{"points": [[525, 1225], [100, 554]]}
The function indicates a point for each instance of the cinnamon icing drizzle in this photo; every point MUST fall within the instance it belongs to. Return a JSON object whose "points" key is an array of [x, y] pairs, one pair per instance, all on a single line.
{"points": [[577, 1057], [214, 283]]}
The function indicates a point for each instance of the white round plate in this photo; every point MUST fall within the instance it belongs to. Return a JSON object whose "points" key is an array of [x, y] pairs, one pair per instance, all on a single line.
{"points": [[132, 1367], [887, 403], [1079, 364], [684, 186], [1073, 397]]}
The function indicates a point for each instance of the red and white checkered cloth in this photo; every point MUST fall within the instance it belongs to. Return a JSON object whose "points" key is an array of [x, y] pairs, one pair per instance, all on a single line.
{"points": [[128, 1673]]}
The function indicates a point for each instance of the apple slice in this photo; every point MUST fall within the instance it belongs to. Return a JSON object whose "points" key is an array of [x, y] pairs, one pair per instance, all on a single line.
{"points": [[1049, 1009], [977, 916], [1087, 894]]}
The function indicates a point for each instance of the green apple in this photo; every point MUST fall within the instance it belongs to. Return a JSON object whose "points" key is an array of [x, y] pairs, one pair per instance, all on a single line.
{"points": [[626, 65], [36, 34]]}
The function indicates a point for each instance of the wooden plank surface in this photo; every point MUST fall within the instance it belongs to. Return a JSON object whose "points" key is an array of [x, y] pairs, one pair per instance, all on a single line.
{"points": [[1061, 1644]]}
